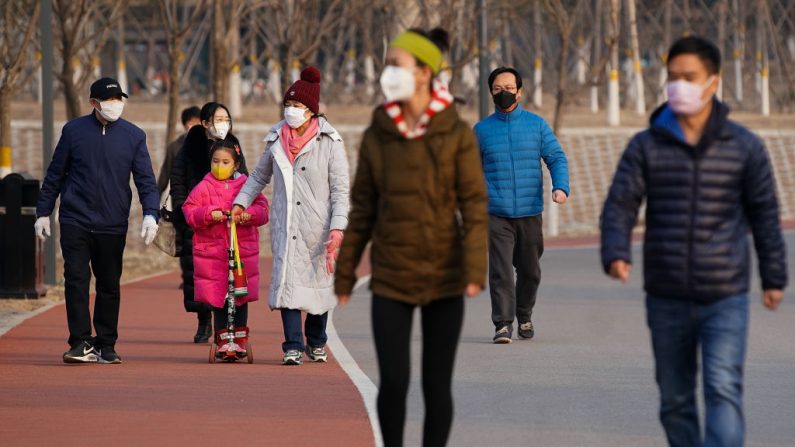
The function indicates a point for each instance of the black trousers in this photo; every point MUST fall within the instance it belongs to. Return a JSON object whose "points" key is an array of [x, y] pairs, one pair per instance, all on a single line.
{"points": [[220, 314], [83, 252], [515, 245], [441, 330], [186, 265]]}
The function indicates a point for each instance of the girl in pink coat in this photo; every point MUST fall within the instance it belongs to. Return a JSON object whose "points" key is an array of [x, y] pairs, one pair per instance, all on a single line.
{"points": [[204, 211]]}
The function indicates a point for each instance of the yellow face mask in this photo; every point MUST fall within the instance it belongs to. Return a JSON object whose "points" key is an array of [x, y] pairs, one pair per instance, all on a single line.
{"points": [[221, 172]]}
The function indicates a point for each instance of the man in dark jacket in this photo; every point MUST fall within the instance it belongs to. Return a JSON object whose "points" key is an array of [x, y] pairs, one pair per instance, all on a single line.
{"points": [[706, 180], [90, 170], [190, 117]]}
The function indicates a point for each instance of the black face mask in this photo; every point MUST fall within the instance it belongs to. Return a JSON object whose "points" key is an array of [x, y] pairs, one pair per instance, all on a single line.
{"points": [[504, 99]]}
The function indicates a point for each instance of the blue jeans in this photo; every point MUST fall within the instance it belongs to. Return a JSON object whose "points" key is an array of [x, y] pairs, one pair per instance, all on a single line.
{"points": [[315, 328], [678, 330]]}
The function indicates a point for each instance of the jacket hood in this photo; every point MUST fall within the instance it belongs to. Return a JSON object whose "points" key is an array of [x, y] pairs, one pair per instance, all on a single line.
{"points": [[443, 122], [663, 122]]}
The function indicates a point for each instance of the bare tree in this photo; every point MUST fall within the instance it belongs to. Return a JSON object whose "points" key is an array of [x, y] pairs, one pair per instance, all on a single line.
{"points": [[18, 23], [79, 45], [640, 93], [564, 20], [176, 31]]}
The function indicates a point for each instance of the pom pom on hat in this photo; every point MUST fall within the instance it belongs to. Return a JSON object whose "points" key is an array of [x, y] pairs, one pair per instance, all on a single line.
{"points": [[306, 90], [310, 74]]}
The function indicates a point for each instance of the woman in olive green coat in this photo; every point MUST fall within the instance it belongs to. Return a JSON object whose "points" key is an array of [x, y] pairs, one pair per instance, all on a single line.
{"points": [[419, 196]]}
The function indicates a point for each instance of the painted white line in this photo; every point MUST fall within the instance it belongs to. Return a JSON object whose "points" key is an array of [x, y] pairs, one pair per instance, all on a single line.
{"points": [[19, 319], [366, 387]]}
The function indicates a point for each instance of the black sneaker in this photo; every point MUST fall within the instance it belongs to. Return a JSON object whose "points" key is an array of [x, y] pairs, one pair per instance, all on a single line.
{"points": [[81, 353], [108, 355], [526, 330], [502, 335]]}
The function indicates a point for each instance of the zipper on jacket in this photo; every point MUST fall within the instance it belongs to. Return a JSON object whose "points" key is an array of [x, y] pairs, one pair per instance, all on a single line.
{"points": [[692, 221], [513, 169], [103, 129]]}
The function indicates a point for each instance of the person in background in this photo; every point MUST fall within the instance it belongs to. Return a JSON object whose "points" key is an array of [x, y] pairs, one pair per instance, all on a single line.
{"points": [[90, 171], [191, 165], [190, 117], [513, 143]]}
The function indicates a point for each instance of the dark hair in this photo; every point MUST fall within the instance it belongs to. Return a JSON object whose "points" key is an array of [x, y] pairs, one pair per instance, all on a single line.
{"points": [[438, 36], [228, 146], [208, 112], [705, 50], [500, 70], [190, 113]]}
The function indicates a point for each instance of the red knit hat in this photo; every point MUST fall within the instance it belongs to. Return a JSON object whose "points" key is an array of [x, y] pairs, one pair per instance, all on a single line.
{"points": [[306, 90]]}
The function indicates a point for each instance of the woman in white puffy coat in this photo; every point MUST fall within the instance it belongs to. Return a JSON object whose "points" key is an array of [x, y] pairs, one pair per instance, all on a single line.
{"points": [[305, 158]]}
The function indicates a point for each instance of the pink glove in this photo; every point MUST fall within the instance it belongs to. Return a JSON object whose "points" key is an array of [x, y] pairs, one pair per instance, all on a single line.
{"points": [[333, 249]]}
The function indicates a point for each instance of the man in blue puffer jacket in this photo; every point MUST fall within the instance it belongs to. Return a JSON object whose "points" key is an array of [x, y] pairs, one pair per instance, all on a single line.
{"points": [[90, 170], [513, 142], [706, 181]]}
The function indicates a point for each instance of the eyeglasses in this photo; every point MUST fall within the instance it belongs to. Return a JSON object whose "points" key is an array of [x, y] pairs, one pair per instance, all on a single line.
{"points": [[508, 88]]}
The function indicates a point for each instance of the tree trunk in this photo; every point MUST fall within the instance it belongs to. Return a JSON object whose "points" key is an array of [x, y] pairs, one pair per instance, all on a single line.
{"points": [[597, 55], [721, 40], [640, 93], [613, 100], [233, 62], [71, 97], [538, 65], [6, 162], [121, 59], [739, 38], [561, 93], [173, 90], [219, 54]]}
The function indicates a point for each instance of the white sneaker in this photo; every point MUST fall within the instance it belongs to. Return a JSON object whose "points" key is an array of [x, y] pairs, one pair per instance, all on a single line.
{"points": [[317, 354], [293, 357]]}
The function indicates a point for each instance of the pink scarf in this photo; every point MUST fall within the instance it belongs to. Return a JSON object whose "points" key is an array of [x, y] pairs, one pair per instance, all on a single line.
{"points": [[293, 143], [440, 100]]}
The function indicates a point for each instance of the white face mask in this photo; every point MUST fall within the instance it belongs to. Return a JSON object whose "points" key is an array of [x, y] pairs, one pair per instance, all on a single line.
{"points": [[219, 130], [295, 116], [397, 83], [111, 109], [686, 98]]}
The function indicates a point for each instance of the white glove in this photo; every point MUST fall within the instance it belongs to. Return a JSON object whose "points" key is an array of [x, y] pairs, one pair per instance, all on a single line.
{"points": [[42, 227], [149, 229]]}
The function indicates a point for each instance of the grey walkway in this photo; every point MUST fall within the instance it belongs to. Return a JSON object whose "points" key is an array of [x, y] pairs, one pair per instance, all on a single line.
{"points": [[587, 378]]}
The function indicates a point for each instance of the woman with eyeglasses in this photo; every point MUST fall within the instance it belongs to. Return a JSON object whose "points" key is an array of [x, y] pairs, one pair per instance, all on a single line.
{"points": [[191, 164]]}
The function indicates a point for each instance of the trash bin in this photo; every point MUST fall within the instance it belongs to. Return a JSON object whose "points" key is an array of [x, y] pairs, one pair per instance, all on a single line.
{"points": [[21, 265]]}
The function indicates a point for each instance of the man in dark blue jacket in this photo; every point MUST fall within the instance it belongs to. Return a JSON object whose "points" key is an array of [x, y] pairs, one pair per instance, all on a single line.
{"points": [[706, 181], [513, 142], [90, 170]]}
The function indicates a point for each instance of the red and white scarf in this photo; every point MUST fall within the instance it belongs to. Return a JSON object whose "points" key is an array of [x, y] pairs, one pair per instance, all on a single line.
{"points": [[440, 100]]}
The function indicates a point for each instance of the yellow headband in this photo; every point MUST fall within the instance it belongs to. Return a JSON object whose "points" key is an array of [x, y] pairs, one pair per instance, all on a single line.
{"points": [[420, 47]]}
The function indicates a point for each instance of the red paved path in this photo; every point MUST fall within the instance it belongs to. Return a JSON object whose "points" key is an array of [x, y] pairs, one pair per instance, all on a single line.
{"points": [[166, 393]]}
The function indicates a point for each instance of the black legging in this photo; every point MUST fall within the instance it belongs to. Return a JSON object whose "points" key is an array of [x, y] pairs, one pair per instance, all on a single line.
{"points": [[221, 316], [441, 329]]}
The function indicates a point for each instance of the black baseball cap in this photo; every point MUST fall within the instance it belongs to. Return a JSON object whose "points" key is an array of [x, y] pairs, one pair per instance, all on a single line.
{"points": [[106, 88]]}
